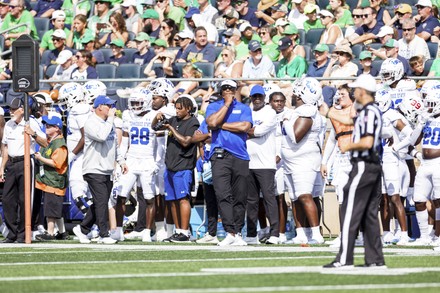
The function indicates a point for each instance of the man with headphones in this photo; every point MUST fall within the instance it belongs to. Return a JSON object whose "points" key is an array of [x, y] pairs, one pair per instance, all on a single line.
{"points": [[12, 170]]}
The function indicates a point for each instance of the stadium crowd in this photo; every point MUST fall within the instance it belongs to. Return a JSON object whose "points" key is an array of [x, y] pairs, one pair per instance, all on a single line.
{"points": [[250, 141]]}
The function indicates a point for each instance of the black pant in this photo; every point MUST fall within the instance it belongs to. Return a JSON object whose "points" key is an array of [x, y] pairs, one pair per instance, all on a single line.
{"points": [[211, 208], [360, 209], [13, 198], [230, 185], [141, 223], [100, 187], [262, 180]]}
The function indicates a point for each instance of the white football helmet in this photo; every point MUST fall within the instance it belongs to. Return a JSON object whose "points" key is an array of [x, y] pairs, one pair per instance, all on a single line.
{"points": [[429, 86], [270, 88], [391, 70], [69, 95], [161, 87], [140, 100], [406, 85], [92, 89], [309, 91], [383, 100], [412, 107], [432, 102]]}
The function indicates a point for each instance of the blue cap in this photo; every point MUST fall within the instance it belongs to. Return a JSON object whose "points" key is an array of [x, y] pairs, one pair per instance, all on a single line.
{"points": [[103, 100], [191, 12], [254, 45], [257, 89], [54, 120]]}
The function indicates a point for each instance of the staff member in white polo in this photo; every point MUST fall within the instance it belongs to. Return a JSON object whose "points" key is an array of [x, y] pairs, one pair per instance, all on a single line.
{"points": [[12, 170]]}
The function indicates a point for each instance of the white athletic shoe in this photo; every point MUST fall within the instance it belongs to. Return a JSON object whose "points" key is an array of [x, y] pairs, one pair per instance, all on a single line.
{"points": [[317, 240], [208, 239], [117, 235], [251, 240], [133, 235], [41, 229], [273, 240], [146, 237], [388, 237], [94, 233], [107, 240], [404, 240], [264, 233], [282, 239], [239, 241], [299, 240], [437, 248], [161, 235], [4, 230], [229, 239], [435, 241], [334, 241], [82, 237], [421, 242]]}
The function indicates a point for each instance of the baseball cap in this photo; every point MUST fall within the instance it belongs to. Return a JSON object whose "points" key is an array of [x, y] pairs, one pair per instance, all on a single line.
{"points": [[232, 32], [284, 43], [191, 12], [365, 54], [160, 43], [291, 29], [87, 38], [142, 37], [391, 43], [64, 56], [58, 14], [229, 82], [321, 48], [186, 34], [309, 8], [59, 33], [364, 81], [149, 2], [117, 42], [424, 3], [326, 13], [281, 8], [54, 120], [4, 2], [281, 22], [150, 13], [244, 26], [16, 103], [103, 100], [254, 45], [385, 30], [257, 90], [128, 3], [403, 8], [232, 13]]}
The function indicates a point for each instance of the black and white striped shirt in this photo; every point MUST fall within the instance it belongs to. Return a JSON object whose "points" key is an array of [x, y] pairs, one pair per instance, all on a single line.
{"points": [[368, 122]]}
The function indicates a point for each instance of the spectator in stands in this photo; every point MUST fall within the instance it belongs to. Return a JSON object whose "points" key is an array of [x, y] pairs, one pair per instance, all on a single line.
{"points": [[426, 20], [71, 11], [5, 74], [231, 18], [411, 44], [270, 16], [200, 50], [296, 15], [270, 49], [383, 16], [228, 66], [340, 66], [233, 38], [59, 41], [280, 25], [182, 40], [65, 66], [341, 13], [144, 54], [161, 57], [168, 29], [292, 32], [291, 65], [247, 13], [366, 58], [45, 8], [118, 56], [4, 9], [207, 11], [189, 71], [148, 4], [332, 33], [435, 68], [102, 15], [167, 11], [78, 32], [58, 18], [357, 22], [118, 30], [401, 11], [222, 6], [312, 12], [90, 45], [151, 23], [392, 51], [85, 68], [318, 67], [197, 21], [18, 15], [247, 33], [417, 65], [385, 33], [132, 16], [368, 31]]}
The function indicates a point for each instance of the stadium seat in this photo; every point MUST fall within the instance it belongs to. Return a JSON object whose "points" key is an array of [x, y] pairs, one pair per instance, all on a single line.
{"points": [[428, 64], [208, 71], [377, 64], [106, 71], [308, 50], [433, 48], [2, 43], [352, 4], [121, 103], [218, 50], [42, 25], [375, 46], [357, 49], [322, 3], [129, 52], [302, 36], [107, 52], [125, 71], [50, 70], [277, 65], [45, 57], [313, 36], [131, 36], [253, 3], [12, 95]]}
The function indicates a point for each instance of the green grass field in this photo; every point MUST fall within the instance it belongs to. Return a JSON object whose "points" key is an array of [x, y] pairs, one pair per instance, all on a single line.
{"points": [[134, 266]]}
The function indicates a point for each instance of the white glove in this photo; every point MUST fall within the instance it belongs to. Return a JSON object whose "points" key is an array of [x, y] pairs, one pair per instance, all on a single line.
{"points": [[424, 117], [71, 157], [156, 169], [419, 156]]}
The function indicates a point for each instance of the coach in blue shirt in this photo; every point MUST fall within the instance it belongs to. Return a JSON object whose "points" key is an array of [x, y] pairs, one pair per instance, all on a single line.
{"points": [[230, 121]]}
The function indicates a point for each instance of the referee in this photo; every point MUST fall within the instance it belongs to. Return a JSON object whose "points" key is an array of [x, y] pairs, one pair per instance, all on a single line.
{"points": [[362, 191]]}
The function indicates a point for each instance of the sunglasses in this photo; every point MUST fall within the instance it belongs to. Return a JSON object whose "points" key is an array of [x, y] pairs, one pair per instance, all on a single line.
{"points": [[228, 87], [56, 39], [365, 15], [99, 2], [257, 51], [224, 55], [12, 6], [238, 3], [341, 54], [357, 15], [262, 33], [163, 27], [177, 40], [408, 29], [78, 56], [257, 96], [161, 1]]}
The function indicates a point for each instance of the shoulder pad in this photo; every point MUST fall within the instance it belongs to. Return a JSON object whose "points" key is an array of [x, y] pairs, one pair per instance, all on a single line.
{"points": [[79, 109], [306, 110]]}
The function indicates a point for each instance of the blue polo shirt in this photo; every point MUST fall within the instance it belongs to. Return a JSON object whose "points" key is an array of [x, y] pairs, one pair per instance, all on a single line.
{"points": [[363, 29], [234, 143], [314, 71], [428, 25], [251, 17], [45, 5]]}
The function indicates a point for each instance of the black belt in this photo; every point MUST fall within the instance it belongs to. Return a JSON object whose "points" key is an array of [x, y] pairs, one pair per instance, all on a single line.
{"points": [[366, 160], [16, 159]]}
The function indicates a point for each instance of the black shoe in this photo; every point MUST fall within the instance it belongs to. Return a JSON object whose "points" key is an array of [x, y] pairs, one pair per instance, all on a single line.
{"points": [[45, 237], [336, 265], [378, 265], [180, 238], [7, 240], [169, 239], [62, 236]]}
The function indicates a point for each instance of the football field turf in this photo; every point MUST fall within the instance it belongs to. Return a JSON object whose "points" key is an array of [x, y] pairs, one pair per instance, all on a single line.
{"points": [[133, 267]]}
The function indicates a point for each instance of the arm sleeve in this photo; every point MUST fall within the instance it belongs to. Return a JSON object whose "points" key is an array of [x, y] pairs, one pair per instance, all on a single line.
{"points": [[329, 147], [267, 126]]}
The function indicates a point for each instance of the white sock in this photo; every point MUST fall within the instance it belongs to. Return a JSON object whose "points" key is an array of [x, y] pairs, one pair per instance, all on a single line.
{"points": [[404, 234], [170, 229], [147, 231], [315, 232], [60, 225], [300, 233], [160, 226], [430, 228], [396, 224], [119, 230], [422, 220]]}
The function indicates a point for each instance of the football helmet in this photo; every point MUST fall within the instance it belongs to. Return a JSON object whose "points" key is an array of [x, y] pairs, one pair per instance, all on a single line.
{"points": [[69, 95], [432, 102], [161, 87], [309, 91], [270, 88], [406, 85], [383, 100], [429, 86], [140, 100], [92, 89], [391, 71], [411, 107]]}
